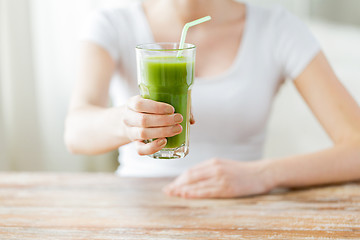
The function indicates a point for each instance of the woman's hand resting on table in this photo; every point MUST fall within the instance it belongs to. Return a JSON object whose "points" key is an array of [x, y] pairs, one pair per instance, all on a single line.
{"points": [[221, 178]]}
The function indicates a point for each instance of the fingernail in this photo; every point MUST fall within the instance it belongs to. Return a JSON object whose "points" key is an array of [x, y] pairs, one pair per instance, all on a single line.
{"points": [[178, 118], [177, 129], [161, 142], [169, 110]]}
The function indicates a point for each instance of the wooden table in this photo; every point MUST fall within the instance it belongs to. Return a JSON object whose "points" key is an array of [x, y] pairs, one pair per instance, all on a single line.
{"points": [[104, 206]]}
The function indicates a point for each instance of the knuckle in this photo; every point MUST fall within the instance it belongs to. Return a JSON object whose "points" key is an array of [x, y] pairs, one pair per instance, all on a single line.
{"points": [[189, 174], [228, 188], [219, 172], [215, 161], [157, 107], [165, 131], [172, 119], [224, 182], [138, 104], [143, 120], [162, 107], [167, 120], [142, 133], [186, 193]]}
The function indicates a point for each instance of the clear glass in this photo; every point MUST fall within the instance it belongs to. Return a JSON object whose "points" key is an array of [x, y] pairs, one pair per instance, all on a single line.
{"points": [[166, 74]]}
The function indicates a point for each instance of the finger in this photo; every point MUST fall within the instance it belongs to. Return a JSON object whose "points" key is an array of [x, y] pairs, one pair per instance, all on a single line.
{"points": [[188, 178], [137, 133], [139, 104], [177, 190], [145, 120], [200, 172], [150, 148], [192, 119], [202, 193], [202, 189]]}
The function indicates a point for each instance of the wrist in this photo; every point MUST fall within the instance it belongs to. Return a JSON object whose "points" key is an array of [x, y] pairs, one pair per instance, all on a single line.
{"points": [[277, 173], [269, 171]]}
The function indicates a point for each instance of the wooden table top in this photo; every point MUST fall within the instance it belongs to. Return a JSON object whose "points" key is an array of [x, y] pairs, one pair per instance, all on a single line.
{"points": [[105, 206]]}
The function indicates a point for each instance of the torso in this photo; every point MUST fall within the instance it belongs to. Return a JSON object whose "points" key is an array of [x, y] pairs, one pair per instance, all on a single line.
{"points": [[215, 42], [233, 92]]}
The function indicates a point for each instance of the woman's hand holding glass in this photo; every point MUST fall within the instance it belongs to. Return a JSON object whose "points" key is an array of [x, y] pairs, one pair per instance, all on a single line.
{"points": [[145, 119]]}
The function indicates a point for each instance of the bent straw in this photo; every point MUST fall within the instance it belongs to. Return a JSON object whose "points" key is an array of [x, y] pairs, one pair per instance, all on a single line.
{"points": [[186, 28]]}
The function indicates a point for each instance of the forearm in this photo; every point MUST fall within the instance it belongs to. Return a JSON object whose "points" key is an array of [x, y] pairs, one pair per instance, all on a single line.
{"points": [[338, 164], [94, 130]]}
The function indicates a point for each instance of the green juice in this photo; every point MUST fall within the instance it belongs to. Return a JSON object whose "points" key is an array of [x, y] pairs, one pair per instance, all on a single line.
{"points": [[169, 80]]}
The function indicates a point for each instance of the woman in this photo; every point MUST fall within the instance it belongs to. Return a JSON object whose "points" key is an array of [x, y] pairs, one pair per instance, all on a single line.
{"points": [[243, 55]]}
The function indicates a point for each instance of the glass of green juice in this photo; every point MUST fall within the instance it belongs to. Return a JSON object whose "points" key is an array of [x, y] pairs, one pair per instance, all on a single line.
{"points": [[166, 74]]}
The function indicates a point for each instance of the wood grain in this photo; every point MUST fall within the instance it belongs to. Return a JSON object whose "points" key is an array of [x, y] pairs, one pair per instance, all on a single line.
{"points": [[105, 206]]}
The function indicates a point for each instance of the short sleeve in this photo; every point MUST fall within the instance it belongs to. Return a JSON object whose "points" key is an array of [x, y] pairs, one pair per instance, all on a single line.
{"points": [[101, 30], [295, 45]]}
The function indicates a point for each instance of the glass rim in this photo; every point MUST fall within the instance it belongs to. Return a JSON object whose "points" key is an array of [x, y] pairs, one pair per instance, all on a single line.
{"points": [[142, 47]]}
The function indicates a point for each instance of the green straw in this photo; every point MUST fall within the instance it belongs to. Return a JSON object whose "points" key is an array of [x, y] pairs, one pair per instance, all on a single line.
{"points": [[186, 28]]}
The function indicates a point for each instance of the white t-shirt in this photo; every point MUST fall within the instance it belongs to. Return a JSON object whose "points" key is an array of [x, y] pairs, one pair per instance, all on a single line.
{"points": [[232, 109]]}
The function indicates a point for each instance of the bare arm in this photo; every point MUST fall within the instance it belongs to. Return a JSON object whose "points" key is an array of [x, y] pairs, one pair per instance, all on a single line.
{"points": [[87, 125], [92, 127], [338, 113]]}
